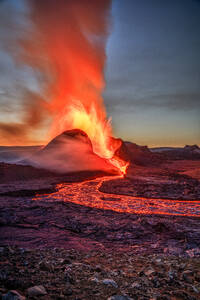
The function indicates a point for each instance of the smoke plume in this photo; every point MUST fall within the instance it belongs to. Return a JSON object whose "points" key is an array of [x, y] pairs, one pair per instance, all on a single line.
{"points": [[63, 42]]}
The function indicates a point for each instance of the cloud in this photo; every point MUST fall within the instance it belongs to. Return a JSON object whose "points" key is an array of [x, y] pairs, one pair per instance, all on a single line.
{"points": [[176, 101], [12, 132]]}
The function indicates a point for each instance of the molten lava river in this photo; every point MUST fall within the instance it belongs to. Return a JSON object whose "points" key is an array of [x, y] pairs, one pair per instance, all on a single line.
{"points": [[87, 193]]}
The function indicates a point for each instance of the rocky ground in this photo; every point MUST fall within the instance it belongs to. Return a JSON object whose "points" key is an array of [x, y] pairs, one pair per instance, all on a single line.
{"points": [[61, 250], [66, 248], [57, 273], [172, 180]]}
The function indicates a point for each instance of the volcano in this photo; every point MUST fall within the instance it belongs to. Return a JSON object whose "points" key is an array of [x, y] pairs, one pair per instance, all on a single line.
{"points": [[71, 151]]}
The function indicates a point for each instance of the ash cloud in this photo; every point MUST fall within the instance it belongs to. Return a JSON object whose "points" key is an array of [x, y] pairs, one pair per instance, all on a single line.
{"points": [[45, 40], [62, 44], [20, 105], [33, 113]]}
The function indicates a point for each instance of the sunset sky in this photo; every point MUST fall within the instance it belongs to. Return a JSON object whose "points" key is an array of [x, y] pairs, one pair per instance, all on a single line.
{"points": [[152, 72]]}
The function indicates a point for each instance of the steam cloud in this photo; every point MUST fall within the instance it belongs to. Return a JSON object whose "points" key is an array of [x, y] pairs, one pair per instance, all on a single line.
{"points": [[64, 44]]}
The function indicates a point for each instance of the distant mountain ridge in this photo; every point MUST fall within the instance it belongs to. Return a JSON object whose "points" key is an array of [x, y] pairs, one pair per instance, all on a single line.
{"points": [[177, 153]]}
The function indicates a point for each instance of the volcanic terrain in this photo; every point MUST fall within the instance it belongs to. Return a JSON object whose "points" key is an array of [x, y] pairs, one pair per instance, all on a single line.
{"points": [[148, 217]]}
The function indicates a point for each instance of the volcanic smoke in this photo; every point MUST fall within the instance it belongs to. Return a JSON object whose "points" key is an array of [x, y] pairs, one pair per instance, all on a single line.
{"points": [[66, 47]]}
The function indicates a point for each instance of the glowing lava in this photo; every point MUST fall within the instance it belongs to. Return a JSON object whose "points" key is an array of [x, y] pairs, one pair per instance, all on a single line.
{"points": [[98, 129], [78, 193], [66, 46], [120, 164]]}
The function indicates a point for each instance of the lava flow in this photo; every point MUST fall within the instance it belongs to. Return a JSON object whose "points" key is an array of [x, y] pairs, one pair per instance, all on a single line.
{"points": [[67, 48], [78, 193]]}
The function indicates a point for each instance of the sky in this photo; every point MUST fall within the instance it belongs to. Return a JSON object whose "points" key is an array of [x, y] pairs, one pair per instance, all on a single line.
{"points": [[152, 73]]}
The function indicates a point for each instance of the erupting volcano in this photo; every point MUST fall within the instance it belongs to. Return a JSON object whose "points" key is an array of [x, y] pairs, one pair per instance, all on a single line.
{"points": [[66, 48], [84, 214]]}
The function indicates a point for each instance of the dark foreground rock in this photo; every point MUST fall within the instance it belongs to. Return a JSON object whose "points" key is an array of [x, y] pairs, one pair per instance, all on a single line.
{"points": [[70, 274]]}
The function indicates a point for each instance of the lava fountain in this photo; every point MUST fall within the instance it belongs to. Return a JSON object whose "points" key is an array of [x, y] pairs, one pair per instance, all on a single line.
{"points": [[66, 47]]}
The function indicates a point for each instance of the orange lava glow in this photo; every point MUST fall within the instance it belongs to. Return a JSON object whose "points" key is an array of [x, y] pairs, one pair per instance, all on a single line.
{"points": [[87, 193], [98, 129], [120, 164], [71, 57]]}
